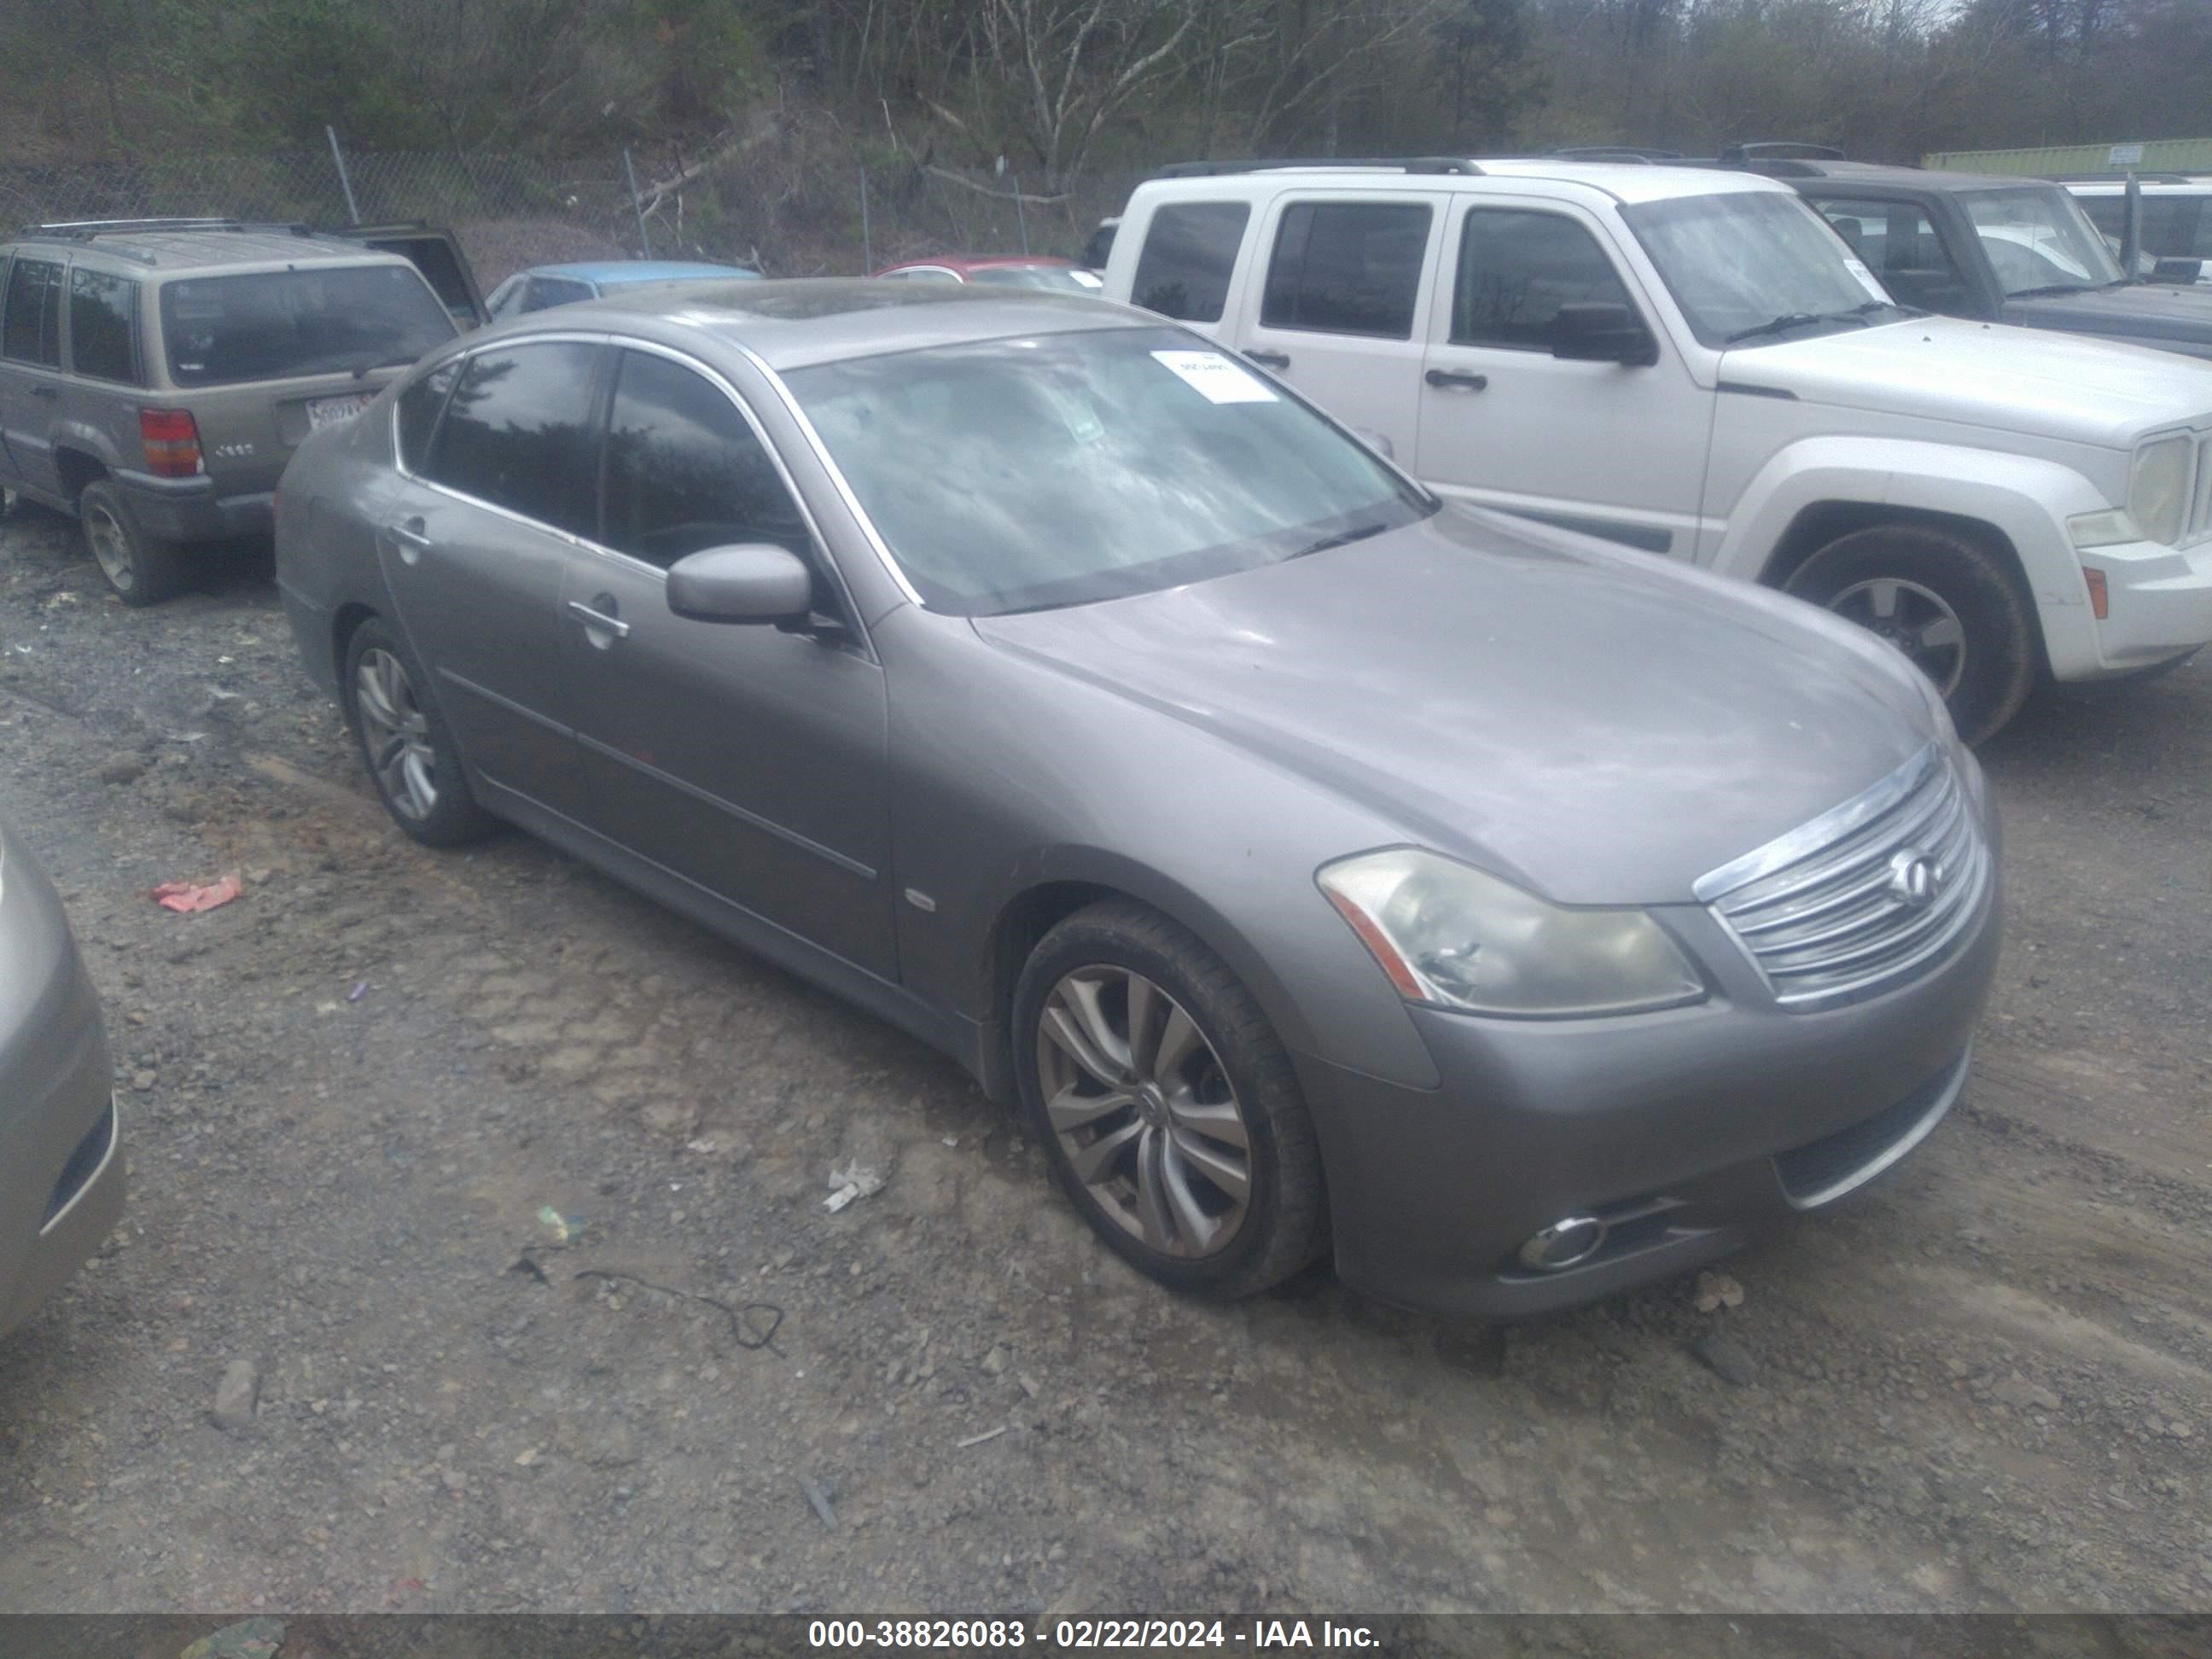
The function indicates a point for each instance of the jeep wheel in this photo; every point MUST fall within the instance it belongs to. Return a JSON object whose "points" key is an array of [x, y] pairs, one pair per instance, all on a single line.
{"points": [[1954, 608], [142, 571]]}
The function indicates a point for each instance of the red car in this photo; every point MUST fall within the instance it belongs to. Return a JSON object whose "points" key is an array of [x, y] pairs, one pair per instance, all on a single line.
{"points": [[1008, 269]]}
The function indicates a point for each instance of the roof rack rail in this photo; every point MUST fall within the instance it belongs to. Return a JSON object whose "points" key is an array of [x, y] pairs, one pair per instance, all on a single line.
{"points": [[1777, 150], [100, 226], [1335, 163], [1631, 154]]}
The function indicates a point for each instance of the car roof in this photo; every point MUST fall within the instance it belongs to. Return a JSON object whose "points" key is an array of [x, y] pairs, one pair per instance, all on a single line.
{"points": [[1625, 182], [965, 261], [793, 323], [173, 250], [606, 271], [1875, 172]]}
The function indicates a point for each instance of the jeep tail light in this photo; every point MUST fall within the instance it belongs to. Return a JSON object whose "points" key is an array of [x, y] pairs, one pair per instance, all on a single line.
{"points": [[171, 438]]}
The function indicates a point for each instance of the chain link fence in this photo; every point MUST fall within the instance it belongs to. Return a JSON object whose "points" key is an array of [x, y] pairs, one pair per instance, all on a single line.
{"points": [[768, 206]]}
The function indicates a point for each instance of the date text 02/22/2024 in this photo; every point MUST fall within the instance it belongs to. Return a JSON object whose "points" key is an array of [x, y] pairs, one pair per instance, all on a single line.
{"points": [[1251, 1635]]}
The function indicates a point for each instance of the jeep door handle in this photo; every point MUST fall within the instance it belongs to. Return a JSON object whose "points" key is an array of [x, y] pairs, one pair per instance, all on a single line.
{"points": [[599, 620], [1448, 379], [1271, 358]]}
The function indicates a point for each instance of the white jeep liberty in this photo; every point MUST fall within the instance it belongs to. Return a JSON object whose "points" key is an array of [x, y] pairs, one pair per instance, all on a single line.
{"points": [[1689, 362]]}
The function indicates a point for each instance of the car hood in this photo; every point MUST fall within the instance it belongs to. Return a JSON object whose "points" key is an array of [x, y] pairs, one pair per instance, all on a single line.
{"points": [[1988, 375], [2172, 318], [1599, 730]]}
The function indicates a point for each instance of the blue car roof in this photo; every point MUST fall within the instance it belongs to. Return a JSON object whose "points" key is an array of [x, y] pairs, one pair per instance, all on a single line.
{"points": [[611, 273]]}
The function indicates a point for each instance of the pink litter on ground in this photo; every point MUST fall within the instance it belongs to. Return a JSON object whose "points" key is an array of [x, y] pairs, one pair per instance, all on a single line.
{"points": [[186, 896]]}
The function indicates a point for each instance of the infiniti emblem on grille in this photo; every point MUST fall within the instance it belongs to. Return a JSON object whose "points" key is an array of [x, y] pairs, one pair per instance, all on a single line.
{"points": [[1915, 878]]}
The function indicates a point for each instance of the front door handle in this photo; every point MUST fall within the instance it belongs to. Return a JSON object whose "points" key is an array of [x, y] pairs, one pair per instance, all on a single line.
{"points": [[1450, 379], [1271, 358], [596, 621], [410, 538]]}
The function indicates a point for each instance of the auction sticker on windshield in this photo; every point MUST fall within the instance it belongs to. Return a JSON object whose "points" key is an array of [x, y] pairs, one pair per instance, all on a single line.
{"points": [[330, 411], [1214, 377]]}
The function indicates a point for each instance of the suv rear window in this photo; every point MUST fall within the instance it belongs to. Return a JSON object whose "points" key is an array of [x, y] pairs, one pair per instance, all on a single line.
{"points": [[1190, 251], [321, 320], [1347, 268]]}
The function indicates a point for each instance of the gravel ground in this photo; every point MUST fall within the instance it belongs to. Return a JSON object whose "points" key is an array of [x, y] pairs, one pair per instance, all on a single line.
{"points": [[351, 1097]]}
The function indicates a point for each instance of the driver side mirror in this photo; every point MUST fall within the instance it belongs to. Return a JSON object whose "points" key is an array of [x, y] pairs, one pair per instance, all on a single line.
{"points": [[1603, 331], [750, 582]]}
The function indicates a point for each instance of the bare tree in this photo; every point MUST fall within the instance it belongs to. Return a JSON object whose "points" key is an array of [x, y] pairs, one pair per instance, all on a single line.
{"points": [[1067, 66]]}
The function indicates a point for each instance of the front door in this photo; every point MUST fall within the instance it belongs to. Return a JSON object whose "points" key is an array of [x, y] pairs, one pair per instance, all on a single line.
{"points": [[496, 491], [1341, 308], [750, 761], [1612, 450], [30, 372]]}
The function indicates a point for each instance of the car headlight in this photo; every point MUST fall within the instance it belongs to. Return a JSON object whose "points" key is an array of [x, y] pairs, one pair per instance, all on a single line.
{"points": [[2158, 489], [1446, 933]]}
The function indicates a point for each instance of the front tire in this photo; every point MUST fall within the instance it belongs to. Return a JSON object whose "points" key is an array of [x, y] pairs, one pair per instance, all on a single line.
{"points": [[410, 754], [1166, 1105], [142, 570], [1953, 605]]}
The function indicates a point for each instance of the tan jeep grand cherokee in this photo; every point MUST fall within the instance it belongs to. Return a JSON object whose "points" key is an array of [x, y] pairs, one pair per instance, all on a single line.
{"points": [[157, 375]]}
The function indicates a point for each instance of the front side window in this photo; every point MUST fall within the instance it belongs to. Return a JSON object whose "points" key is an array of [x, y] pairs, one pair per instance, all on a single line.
{"points": [[30, 320], [685, 470], [518, 434], [1189, 255], [313, 319], [1517, 268], [1749, 268], [1070, 468], [1347, 268], [2039, 241], [420, 405], [1899, 243], [103, 325]]}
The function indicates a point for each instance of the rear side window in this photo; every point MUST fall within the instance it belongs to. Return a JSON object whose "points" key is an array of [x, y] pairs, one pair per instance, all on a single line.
{"points": [[1517, 269], [268, 325], [103, 318], [546, 292], [419, 408], [685, 470], [1347, 268], [31, 319], [518, 434], [1189, 255]]}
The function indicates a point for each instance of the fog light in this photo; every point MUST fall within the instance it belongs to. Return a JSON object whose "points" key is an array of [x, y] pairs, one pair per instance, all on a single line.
{"points": [[1566, 1242]]}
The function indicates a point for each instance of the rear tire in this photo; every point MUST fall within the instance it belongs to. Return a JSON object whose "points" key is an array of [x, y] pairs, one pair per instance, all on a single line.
{"points": [[1955, 607], [141, 569], [1166, 1105], [410, 754]]}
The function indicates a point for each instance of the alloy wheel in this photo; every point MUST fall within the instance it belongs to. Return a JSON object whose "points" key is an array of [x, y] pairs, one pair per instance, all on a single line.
{"points": [[1144, 1112], [110, 547], [1918, 621], [395, 733]]}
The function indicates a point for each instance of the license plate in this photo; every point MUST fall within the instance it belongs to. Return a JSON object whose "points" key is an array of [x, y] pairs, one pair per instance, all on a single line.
{"points": [[330, 411]]}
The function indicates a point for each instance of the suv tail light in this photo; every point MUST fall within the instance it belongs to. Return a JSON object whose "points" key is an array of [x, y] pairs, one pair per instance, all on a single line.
{"points": [[171, 438]]}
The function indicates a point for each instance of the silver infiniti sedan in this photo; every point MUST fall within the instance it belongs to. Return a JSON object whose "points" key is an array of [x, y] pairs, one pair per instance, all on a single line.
{"points": [[61, 1171], [1325, 870]]}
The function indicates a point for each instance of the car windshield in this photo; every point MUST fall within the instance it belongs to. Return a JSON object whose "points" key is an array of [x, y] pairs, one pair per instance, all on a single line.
{"points": [[2039, 241], [1064, 278], [1021, 474], [268, 326], [1750, 268]]}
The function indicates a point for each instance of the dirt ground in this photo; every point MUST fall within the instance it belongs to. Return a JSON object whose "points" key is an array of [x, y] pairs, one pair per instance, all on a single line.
{"points": [[351, 1097]]}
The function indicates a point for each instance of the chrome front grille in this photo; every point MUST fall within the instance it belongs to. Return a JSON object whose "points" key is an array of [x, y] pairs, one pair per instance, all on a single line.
{"points": [[1863, 896]]}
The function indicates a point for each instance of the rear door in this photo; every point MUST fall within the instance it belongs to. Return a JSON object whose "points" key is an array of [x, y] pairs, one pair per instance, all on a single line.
{"points": [[496, 491], [1340, 306], [748, 760], [102, 393], [1613, 451], [31, 369]]}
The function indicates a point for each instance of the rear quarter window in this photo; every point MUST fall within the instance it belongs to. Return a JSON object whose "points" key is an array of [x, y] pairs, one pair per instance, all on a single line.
{"points": [[1188, 257], [319, 320], [103, 312]]}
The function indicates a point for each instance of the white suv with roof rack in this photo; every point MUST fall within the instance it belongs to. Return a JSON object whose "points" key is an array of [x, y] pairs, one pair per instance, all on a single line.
{"points": [[1689, 363]]}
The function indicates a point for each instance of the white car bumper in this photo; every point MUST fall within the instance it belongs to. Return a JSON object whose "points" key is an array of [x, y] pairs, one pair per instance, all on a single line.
{"points": [[2158, 604]]}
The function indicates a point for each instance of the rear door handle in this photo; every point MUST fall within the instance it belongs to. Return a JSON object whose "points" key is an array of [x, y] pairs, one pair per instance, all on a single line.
{"points": [[410, 537], [599, 620], [1271, 358], [1452, 380]]}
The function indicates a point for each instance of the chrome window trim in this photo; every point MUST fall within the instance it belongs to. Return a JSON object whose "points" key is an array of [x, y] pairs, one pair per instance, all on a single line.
{"points": [[1830, 827], [714, 377]]}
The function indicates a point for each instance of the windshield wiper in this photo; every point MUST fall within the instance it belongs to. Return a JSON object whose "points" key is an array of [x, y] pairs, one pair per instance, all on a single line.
{"points": [[1340, 539], [1800, 319]]}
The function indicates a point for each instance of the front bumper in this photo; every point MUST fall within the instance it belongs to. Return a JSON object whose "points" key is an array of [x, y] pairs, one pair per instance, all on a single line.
{"points": [[2158, 604], [190, 510], [1689, 1131]]}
